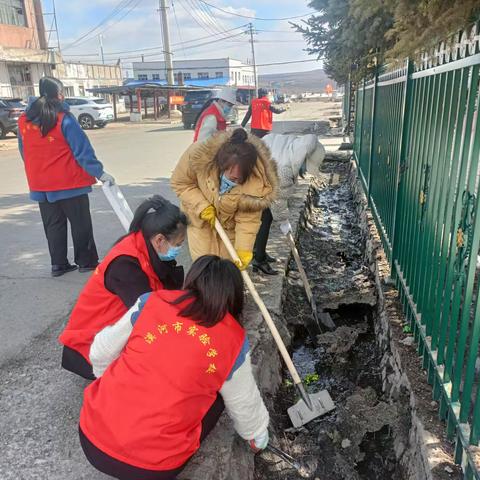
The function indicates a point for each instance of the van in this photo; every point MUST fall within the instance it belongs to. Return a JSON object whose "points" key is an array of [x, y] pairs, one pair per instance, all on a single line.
{"points": [[194, 101]]}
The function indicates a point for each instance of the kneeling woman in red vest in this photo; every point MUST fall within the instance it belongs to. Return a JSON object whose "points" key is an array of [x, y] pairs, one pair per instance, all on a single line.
{"points": [[166, 370], [140, 262]]}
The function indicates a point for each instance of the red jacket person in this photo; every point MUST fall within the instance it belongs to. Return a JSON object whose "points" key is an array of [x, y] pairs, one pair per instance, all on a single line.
{"points": [[142, 261], [166, 370], [61, 167]]}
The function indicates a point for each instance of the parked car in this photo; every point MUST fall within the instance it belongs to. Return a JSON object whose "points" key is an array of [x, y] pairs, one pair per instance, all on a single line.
{"points": [[10, 111], [194, 101], [91, 111]]}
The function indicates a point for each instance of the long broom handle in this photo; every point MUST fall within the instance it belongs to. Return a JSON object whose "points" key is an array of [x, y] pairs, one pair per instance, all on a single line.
{"points": [[266, 315], [301, 270]]}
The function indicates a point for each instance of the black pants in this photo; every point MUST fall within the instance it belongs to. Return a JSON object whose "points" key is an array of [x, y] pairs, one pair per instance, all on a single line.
{"points": [[124, 471], [259, 132], [262, 236], [77, 211], [75, 363]]}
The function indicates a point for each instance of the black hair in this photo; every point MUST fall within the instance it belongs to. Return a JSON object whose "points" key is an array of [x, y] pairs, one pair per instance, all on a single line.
{"points": [[205, 106], [237, 150], [47, 107], [157, 215], [216, 287]]}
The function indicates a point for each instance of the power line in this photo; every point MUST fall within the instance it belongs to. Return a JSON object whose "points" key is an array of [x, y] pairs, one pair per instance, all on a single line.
{"points": [[253, 18], [83, 39], [118, 8], [178, 27], [155, 48], [205, 67]]}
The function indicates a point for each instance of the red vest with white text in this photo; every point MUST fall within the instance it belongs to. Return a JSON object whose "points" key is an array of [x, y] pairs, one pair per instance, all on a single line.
{"points": [[211, 110], [262, 117], [49, 161], [147, 408], [97, 307]]}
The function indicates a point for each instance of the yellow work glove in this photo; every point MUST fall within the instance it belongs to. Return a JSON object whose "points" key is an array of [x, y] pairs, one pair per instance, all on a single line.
{"points": [[209, 214], [245, 259]]}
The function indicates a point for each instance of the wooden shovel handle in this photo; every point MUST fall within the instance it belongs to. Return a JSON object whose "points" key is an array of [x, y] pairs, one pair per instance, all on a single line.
{"points": [[301, 270], [266, 315]]}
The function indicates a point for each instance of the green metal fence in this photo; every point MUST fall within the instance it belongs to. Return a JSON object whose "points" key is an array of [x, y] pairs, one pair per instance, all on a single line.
{"points": [[417, 147]]}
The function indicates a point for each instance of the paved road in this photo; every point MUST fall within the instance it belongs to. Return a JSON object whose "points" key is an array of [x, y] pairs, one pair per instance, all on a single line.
{"points": [[140, 157]]}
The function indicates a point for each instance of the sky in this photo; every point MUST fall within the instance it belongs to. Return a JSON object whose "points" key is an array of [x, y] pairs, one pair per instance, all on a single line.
{"points": [[127, 25]]}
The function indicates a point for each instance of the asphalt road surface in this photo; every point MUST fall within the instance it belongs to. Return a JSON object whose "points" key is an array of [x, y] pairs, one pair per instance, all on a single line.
{"points": [[39, 403]]}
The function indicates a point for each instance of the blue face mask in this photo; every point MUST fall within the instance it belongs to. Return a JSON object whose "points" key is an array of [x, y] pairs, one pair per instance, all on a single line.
{"points": [[171, 254], [226, 184], [226, 110]]}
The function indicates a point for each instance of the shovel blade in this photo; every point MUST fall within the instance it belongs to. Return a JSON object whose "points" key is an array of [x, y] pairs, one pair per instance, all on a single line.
{"points": [[300, 414]]}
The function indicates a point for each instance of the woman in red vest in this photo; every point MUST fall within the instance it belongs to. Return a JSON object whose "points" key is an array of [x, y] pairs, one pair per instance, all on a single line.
{"points": [[140, 262], [166, 370], [61, 168], [212, 117]]}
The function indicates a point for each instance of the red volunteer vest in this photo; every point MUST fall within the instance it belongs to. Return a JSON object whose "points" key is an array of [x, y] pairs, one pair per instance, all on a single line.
{"points": [[147, 408], [96, 308], [211, 110], [262, 117], [49, 161]]}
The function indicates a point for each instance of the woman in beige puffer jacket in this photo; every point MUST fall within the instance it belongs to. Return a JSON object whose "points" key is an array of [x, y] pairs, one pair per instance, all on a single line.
{"points": [[230, 176]]}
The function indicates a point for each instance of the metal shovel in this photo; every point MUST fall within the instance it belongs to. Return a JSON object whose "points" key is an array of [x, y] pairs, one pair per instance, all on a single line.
{"points": [[322, 316], [302, 470], [310, 406]]}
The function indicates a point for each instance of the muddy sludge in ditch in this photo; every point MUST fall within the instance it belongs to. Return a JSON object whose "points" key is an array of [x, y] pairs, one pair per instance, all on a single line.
{"points": [[355, 441]]}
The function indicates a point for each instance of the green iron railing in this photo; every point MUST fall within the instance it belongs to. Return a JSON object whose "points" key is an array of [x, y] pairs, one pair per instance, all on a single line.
{"points": [[417, 148]]}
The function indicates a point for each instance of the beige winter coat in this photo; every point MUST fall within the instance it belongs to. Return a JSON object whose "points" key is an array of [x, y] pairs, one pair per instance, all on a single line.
{"points": [[196, 182]]}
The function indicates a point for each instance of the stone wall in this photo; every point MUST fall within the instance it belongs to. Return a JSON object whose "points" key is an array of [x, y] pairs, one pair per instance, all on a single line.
{"points": [[420, 442]]}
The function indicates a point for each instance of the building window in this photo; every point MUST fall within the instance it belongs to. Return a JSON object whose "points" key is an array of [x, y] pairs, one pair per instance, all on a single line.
{"points": [[203, 75], [155, 76], [218, 74], [187, 76], [12, 12], [142, 76]]}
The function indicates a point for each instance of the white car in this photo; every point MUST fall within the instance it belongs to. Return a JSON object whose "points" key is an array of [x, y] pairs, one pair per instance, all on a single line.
{"points": [[90, 111]]}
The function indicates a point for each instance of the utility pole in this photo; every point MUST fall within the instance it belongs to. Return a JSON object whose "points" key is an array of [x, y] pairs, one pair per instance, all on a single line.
{"points": [[100, 39], [167, 53], [250, 28]]}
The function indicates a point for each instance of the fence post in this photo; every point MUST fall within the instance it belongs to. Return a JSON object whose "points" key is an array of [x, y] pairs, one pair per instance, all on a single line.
{"points": [[372, 133], [401, 160], [360, 133]]}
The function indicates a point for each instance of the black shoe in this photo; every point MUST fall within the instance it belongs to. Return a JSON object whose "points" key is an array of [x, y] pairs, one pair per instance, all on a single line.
{"points": [[270, 259], [59, 270], [87, 268], [265, 267]]}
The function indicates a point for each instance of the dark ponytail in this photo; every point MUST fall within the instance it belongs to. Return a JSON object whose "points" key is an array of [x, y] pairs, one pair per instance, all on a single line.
{"points": [[205, 106], [157, 215], [237, 150], [46, 108]]}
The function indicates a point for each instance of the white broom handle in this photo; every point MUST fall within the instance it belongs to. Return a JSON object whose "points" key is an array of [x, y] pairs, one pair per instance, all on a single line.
{"points": [[266, 315], [301, 270]]}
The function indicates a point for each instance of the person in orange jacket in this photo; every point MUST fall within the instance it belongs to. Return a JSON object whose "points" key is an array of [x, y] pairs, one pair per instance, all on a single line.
{"points": [[166, 370], [261, 111], [140, 262]]}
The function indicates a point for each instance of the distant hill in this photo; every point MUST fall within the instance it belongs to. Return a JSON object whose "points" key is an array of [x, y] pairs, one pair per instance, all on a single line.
{"points": [[297, 82]]}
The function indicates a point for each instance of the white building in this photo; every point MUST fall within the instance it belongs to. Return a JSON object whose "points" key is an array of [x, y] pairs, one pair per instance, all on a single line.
{"points": [[227, 70]]}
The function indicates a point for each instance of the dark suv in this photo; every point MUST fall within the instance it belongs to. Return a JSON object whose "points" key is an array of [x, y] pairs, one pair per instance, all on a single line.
{"points": [[194, 101], [10, 111]]}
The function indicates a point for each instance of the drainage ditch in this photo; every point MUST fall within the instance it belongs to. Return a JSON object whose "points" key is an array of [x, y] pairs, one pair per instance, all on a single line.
{"points": [[355, 441]]}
